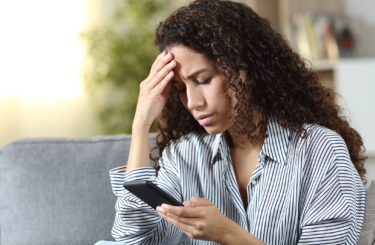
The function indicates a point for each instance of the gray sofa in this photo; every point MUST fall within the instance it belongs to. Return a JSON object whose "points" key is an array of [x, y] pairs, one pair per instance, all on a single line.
{"points": [[57, 191]]}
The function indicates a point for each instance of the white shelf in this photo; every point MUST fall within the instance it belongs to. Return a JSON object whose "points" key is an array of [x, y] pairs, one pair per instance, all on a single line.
{"points": [[324, 65]]}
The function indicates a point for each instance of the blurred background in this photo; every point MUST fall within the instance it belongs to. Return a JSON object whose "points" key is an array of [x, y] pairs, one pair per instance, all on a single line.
{"points": [[72, 68]]}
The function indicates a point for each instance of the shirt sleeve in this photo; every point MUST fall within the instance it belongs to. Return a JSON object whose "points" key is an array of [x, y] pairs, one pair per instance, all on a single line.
{"points": [[135, 221], [335, 210]]}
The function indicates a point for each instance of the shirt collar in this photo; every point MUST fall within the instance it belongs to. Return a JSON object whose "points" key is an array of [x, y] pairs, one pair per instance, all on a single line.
{"points": [[216, 146], [275, 145]]}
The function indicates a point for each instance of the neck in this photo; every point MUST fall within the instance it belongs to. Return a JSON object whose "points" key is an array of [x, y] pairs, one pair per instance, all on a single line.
{"points": [[242, 143]]}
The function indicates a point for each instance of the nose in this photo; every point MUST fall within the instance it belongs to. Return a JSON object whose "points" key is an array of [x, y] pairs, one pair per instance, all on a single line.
{"points": [[194, 98]]}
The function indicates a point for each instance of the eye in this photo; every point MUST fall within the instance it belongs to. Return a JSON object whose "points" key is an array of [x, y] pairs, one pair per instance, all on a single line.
{"points": [[204, 82]]}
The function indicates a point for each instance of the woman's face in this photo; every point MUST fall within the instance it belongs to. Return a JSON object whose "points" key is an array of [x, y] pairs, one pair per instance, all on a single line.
{"points": [[202, 88]]}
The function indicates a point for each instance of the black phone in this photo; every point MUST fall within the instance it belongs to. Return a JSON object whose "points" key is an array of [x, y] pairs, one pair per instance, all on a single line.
{"points": [[150, 193]]}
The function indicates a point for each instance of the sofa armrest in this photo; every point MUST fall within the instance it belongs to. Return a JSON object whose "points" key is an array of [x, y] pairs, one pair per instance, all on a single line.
{"points": [[57, 190], [367, 236]]}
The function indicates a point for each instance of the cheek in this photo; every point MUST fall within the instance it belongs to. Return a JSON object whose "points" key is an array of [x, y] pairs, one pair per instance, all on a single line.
{"points": [[227, 107]]}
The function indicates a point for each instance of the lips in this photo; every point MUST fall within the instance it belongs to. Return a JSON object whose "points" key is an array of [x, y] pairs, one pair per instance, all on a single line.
{"points": [[204, 119]]}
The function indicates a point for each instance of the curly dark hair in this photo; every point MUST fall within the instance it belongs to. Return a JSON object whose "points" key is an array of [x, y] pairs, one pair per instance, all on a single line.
{"points": [[280, 85]]}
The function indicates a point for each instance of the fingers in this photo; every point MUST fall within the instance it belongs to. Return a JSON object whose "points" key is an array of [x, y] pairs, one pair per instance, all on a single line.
{"points": [[186, 212], [162, 73], [170, 217], [158, 58], [186, 225], [164, 84], [192, 221], [166, 71], [153, 92], [162, 59], [179, 216]]}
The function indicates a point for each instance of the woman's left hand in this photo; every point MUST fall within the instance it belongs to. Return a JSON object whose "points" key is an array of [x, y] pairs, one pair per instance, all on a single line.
{"points": [[199, 218]]}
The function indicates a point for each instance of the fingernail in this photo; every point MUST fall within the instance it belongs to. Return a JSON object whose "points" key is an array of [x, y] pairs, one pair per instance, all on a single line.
{"points": [[186, 203], [160, 209]]}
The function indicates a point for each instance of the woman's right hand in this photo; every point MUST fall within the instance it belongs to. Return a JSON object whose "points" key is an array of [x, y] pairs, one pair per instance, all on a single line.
{"points": [[154, 90]]}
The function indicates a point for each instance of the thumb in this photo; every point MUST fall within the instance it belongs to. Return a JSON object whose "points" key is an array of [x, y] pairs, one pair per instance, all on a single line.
{"points": [[197, 202]]}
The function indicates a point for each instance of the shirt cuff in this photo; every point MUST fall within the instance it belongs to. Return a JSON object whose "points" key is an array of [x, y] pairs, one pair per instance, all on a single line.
{"points": [[118, 177]]}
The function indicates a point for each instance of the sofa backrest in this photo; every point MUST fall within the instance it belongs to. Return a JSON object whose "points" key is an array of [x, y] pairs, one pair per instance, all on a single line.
{"points": [[57, 191]]}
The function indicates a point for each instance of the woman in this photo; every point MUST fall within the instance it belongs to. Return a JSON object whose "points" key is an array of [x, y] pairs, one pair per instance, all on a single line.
{"points": [[250, 141]]}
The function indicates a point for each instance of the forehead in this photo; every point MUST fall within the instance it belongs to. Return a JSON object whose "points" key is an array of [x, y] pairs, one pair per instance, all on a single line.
{"points": [[189, 61]]}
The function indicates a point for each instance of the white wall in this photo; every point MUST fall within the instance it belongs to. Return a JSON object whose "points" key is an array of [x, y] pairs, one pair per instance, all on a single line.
{"points": [[41, 91], [362, 16], [60, 118], [355, 83], [370, 168]]}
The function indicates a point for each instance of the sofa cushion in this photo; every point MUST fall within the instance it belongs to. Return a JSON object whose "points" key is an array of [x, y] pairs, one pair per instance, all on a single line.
{"points": [[57, 191]]}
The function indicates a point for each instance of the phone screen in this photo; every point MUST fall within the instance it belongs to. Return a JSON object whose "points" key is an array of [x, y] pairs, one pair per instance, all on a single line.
{"points": [[150, 193]]}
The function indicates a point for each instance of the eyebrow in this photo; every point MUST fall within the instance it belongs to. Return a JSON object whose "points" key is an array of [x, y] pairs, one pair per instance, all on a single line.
{"points": [[192, 75], [196, 73]]}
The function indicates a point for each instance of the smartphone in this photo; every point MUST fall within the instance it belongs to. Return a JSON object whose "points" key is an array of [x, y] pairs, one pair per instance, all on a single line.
{"points": [[150, 193]]}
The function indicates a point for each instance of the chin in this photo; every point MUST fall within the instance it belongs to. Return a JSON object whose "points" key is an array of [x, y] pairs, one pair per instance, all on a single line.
{"points": [[213, 130]]}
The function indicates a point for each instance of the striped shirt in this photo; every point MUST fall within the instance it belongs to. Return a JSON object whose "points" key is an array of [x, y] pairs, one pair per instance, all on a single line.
{"points": [[304, 190]]}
